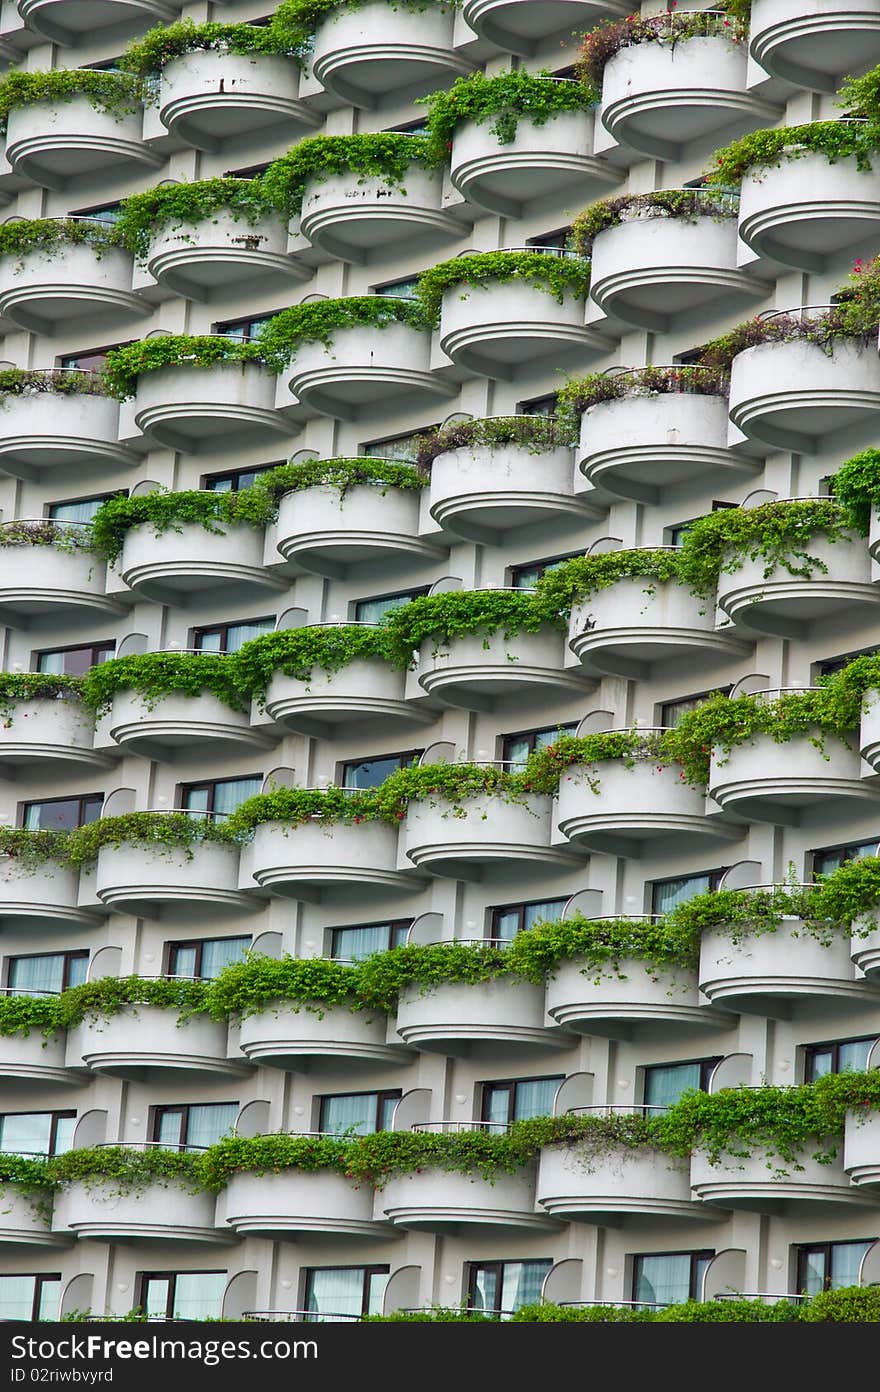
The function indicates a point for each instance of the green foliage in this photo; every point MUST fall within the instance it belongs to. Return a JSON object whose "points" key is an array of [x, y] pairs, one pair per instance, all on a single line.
{"points": [[558, 276], [849, 1305], [24, 381], [687, 205], [251, 986], [341, 474], [164, 512], [381, 977], [31, 849], [157, 675], [318, 321], [174, 206], [856, 487], [43, 531], [123, 366], [386, 156], [740, 1311], [166, 42], [115, 92], [766, 149], [536, 434], [611, 35], [18, 238], [18, 687], [603, 944], [302, 17], [440, 619], [125, 1170], [505, 99], [299, 652], [172, 830]]}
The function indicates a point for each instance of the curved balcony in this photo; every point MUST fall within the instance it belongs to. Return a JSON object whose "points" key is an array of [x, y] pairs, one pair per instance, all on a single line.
{"points": [[49, 733], [139, 878], [479, 492], [40, 580], [207, 96], [806, 210], [201, 724], [473, 670], [770, 782], [632, 624], [54, 430], [493, 329], [158, 1213], [353, 61], [67, 22], [365, 689], [195, 260], [540, 162], [874, 534], [21, 1222], [41, 898], [30, 1061], [317, 1204], [172, 565], [350, 216], [861, 1147], [462, 1019], [865, 952], [324, 529], [44, 290], [283, 1036], [792, 395], [608, 807], [362, 366], [614, 1184], [769, 972], [519, 26], [486, 840], [786, 605], [654, 267], [814, 43], [441, 1201], [581, 998], [644, 443], [753, 1184], [57, 143], [144, 1043], [186, 407], [296, 861]]}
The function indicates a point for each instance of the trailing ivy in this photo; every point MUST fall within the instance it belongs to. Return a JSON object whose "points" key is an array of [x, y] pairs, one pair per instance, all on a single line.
{"points": [[318, 322], [154, 676], [302, 17], [559, 276], [115, 92], [536, 434], [165, 512], [18, 238], [611, 35], [172, 830], [856, 487], [143, 216], [123, 366], [125, 1169], [383, 156], [161, 45], [300, 652], [440, 619], [504, 99], [685, 205], [31, 849], [578, 394], [766, 149], [19, 687], [316, 983], [35, 381], [342, 475]]}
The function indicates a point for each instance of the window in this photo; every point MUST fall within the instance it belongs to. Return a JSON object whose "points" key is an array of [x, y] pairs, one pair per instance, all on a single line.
{"points": [[665, 894], [78, 509], [73, 662], [829, 1265], [62, 814], [350, 944], [501, 1287], [30, 1297], [539, 405], [244, 329], [372, 610], [234, 479], [835, 664], [519, 1099], [89, 359], [369, 773], [344, 1291], [668, 1278], [557, 239], [839, 1056], [411, 128], [359, 1113], [36, 1133], [182, 1295], [823, 862], [205, 958], [250, 171], [398, 289], [515, 749], [671, 712], [524, 577], [198, 1126], [219, 796], [228, 638], [665, 1082], [676, 535], [397, 446], [47, 972], [511, 919], [107, 214]]}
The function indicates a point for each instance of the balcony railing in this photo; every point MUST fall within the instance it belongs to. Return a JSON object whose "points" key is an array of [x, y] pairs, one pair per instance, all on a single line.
{"points": [[456, 1128]]}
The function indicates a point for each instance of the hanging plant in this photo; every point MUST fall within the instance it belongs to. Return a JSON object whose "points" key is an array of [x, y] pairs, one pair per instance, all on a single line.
{"points": [[611, 35], [537, 434], [123, 366], [684, 205], [504, 99], [117, 93], [22, 236], [173, 830], [317, 322], [155, 676], [170, 207], [767, 149], [383, 156], [160, 46], [558, 276]]}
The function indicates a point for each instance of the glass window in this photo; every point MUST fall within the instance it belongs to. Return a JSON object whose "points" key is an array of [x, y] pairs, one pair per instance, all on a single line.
{"points": [[344, 1291], [668, 1278], [206, 957], [47, 972], [519, 1099], [219, 796], [397, 446], [665, 1082], [500, 1288], [372, 610], [824, 862], [359, 1113], [235, 479], [830, 1265], [840, 1056], [557, 240], [539, 406], [249, 171], [36, 1133], [671, 712], [369, 773], [62, 814], [183, 1295], [525, 577], [74, 662], [399, 289], [665, 894], [351, 944], [199, 1125], [515, 749], [29, 1297], [511, 919], [107, 214], [676, 535], [89, 359], [835, 664], [228, 638], [78, 509], [244, 329]]}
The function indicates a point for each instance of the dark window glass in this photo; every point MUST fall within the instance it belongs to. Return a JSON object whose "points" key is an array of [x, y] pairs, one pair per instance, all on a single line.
{"points": [[836, 664], [30, 1297], [228, 638], [78, 509], [182, 1295], [48, 972], [73, 662], [510, 919], [671, 712], [107, 214], [519, 1099], [369, 773], [824, 862], [346, 1292], [219, 796], [525, 577], [89, 359], [198, 1126], [666, 894], [398, 289], [36, 1133], [205, 958], [539, 405], [234, 479], [245, 329], [351, 944], [665, 1082], [839, 1056], [372, 610], [401, 447], [557, 240], [830, 1265], [62, 814], [249, 171], [515, 749], [358, 1113], [501, 1287], [669, 1278]]}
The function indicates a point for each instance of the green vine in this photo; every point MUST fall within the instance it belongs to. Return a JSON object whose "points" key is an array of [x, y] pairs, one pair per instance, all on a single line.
{"points": [[123, 366], [505, 99], [533, 433], [766, 149], [609, 37], [686, 205], [174, 830], [115, 92], [386, 156], [157, 675], [30, 381], [18, 238], [173, 206], [317, 322], [559, 276], [166, 42]]}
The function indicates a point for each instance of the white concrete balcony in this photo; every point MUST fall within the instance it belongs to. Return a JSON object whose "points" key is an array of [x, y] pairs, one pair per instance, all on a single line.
{"points": [[29, 1062], [786, 605], [315, 1204], [173, 566], [353, 61], [487, 840], [49, 733], [475, 669], [540, 162], [40, 580], [286, 1036], [865, 951], [615, 1183], [492, 329], [22, 1224], [770, 782], [366, 689], [793, 395], [590, 1000], [144, 1043], [57, 143], [207, 96], [752, 1184], [660, 97], [519, 26], [869, 729], [806, 210], [644, 443], [45, 431], [442, 1201], [482, 491], [652, 267], [191, 407], [200, 725], [768, 973], [815, 44], [43, 898], [141, 878], [627, 627], [874, 533], [861, 1147], [97, 1210], [351, 216], [54, 288], [68, 22], [608, 807], [297, 861], [324, 529], [198, 259], [463, 1020], [365, 365]]}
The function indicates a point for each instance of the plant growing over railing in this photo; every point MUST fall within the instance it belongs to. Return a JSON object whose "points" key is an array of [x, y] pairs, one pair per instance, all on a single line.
{"points": [[161, 45], [315, 983], [302, 17], [302, 652], [114, 92], [558, 276], [35, 381], [686, 205], [318, 321], [125, 1169], [124, 366], [341, 474], [440, 619], [765, 149], [25, 235], [44, 531], [31, 849], [18, 687], [504, 99], [384, 156], [579, 394], [537, 434], [172, 830], [143, 216], [171, 512], [856, 487], [611, 35], [154, 676]]}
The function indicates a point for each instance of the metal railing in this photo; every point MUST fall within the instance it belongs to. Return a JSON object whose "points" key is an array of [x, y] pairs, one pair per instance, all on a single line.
{"points": [[618, 1108], [178, 1146], [816, 311], [305, 1316], [455, 1128]]}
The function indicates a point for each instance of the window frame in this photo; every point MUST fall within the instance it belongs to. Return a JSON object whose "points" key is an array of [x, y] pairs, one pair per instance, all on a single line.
{"points": [[551, 239], [702, 1254], [67, 361], [234, 475], [108, 645], [381, 1095], [144, 1278], [81, 798], [531, 736], [407, 755], [417, 592], [714, 876], [211, 784], [391, 924], [826, 850], [833, 1045], [202, 630], [373, 1269], [60, 1115], [89, 498], [707, 1067], [663, 706], [541, 565], [69, 954], [367, 446], [39, 1278], [159, 1110], [223, 327], [520, 907], [496, 1265], [510, 1085], [670, 533], [198, 945], [803, 1249]]}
